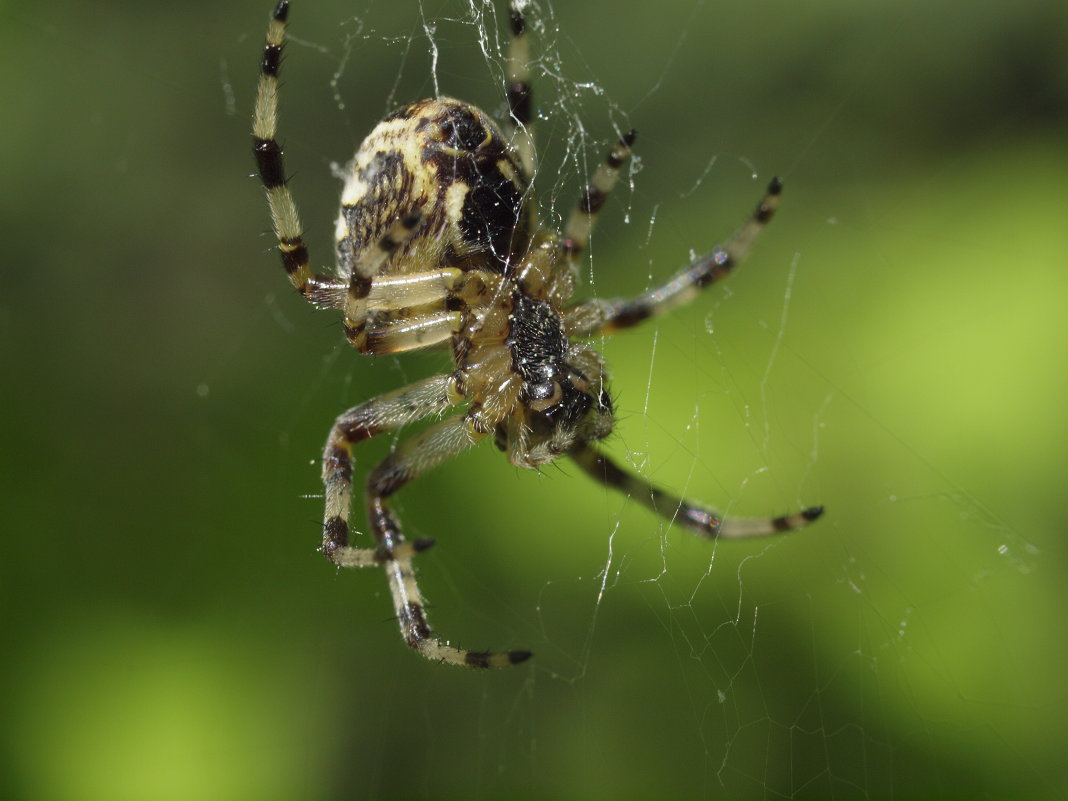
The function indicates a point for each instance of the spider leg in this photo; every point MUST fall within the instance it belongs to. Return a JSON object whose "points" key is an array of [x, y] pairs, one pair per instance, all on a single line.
{"points": [[363, 276], [520, 96], [693, 517], [420, 299], [320, 289], [384, 413], [583, 217], [407, 290], [314, 287], [609, 316], [412, 458], [383, 335], [417, 310]]}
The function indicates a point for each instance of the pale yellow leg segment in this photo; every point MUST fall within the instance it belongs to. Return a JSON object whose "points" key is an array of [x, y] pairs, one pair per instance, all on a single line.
{"points": [[411, 334], [364, 272], [392, 292]]}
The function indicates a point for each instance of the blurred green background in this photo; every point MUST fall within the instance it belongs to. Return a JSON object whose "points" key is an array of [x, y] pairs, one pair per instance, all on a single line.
{"points": [[894, 349]]}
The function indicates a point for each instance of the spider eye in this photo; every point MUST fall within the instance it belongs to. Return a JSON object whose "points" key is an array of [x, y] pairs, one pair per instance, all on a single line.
{"points": [[540, 391], [576, 405], [570, 407]]}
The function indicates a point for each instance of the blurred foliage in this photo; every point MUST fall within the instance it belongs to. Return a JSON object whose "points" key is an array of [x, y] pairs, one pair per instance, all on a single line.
{"points": [[894, 349]]}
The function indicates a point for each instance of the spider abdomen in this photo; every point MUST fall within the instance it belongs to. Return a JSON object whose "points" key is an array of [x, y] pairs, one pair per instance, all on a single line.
{"points": [[447, 161]]}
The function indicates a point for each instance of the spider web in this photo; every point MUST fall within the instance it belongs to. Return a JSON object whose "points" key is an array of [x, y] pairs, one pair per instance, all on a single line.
{"points": [[807, 665], [893, 349]]}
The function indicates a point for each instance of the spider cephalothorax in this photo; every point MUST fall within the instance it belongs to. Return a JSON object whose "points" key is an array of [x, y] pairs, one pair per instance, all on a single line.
{"points": [[438, 245]]}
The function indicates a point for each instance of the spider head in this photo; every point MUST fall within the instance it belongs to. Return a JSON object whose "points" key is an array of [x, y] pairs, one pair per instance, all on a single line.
{"points": [[560, 413], [562, 399]]}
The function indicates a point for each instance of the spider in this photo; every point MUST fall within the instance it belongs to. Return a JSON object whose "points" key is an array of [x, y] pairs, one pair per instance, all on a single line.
{"points": [[438, 244]]}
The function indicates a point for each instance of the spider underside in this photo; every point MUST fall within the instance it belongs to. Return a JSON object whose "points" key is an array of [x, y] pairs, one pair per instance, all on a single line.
{"points": [[438, 244]]}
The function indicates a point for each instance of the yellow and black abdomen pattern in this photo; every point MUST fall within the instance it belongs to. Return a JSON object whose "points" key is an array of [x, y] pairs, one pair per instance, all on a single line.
{"points": [[446, 161]]}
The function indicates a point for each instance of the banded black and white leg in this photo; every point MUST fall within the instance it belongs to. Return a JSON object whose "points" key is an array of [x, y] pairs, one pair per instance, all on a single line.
{"points": [[609, 316], [413, 457], [384, 413], [691, 516], [583, 217], [410, 459], [520, 94], [357, 297], [319, 289]]}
